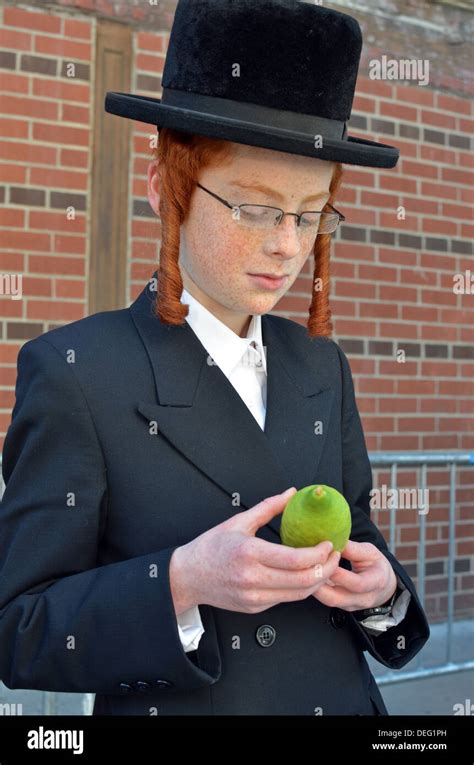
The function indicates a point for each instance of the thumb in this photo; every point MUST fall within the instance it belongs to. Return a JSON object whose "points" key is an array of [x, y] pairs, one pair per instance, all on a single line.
{"points": [[260, 514]]}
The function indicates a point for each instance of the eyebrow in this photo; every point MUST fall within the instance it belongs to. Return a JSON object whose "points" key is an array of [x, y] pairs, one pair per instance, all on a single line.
{"points": [[266, 190]]}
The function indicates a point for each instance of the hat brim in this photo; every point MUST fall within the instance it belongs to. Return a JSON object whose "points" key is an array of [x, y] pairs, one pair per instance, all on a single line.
{"points": [[350, 150]]}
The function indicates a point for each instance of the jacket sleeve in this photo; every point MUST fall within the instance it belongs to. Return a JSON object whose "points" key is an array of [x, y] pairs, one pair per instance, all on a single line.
{"points": [[67, 624], [399, 644]]}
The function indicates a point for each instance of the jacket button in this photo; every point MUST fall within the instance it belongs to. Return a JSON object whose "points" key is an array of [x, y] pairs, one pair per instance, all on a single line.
{"points": [[163, 684], [125, 688], [337, 618], [265, 635], [142, 686]]}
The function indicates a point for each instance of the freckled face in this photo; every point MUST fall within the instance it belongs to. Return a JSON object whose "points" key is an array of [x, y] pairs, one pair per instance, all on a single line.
{"points": [[217, 254]]}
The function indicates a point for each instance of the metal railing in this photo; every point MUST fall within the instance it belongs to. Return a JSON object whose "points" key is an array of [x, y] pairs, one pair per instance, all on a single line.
{"points": [[421, 460], [379, 460]]}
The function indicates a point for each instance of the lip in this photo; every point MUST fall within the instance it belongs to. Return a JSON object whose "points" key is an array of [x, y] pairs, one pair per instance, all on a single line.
{"points": [[270, 282]]}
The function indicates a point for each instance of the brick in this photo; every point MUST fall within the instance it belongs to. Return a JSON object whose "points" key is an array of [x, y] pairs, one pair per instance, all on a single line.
{"points": [[404, 257], [438, 332], [9, 307], [419, 169], [11, 174], [149, 63], [397, 183], [355, 289], [30, 107], [78, 114], [438, 191], [53, 46], [12, 261], [459, 141], [378, 311], [457, 176], [26, 240], [399, 111], [12, 128], [57, 265], [415, 94], [37, 287], [397, 404], [39, 22], [62, 90], [151, 42], [463, 352], [395, 369], [453, 104], [38, 64], [409, 131], [397, 330], [23, 330], [12, 217], [434, 136], [416, 387], [415, 424], [61, 134], [397, 293], [443, 156], [74, 245], [440, 119], [11, 38], [70, 288], [419, 276], [55, 309], [28, 152], [382, 126], [7, 60], [358, 328], [74, 158], [75, 28], [27, 196], [376, 385], [60, 200], [57, 221], [459, 316], [14, 83], [59, 178], [455, 424], [81, 71], [455, 388], [440, 226], [400, 443]]}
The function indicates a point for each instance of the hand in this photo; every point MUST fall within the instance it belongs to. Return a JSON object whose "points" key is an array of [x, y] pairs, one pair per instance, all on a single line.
{"points": [[371, 582], [229, 567]]}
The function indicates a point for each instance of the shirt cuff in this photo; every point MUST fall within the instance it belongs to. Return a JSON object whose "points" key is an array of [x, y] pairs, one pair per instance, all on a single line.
{"points": [[381, 623], [190, 628]]}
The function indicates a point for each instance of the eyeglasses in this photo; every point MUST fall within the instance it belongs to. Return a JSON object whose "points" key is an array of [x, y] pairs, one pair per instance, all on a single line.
{"points": [[309, 223]]}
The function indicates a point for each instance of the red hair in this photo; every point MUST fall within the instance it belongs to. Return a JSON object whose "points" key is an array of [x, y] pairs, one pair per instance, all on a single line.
{"points": [[181, 157]]}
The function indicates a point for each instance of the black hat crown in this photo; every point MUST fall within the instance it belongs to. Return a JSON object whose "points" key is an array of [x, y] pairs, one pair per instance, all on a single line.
{"points": [[274, 73]]}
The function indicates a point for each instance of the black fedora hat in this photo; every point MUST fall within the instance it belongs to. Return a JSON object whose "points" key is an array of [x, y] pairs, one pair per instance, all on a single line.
{"points": [[279, 74]]}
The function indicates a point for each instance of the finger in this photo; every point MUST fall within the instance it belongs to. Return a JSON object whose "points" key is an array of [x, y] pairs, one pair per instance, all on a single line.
{"points": [[251, 520], [336, 597], [277, 578], [366, 581], [295, 558], [360, 551]]}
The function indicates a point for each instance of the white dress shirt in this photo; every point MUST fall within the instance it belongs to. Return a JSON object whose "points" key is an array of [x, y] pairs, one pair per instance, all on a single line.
{"points": [[243, 361]]}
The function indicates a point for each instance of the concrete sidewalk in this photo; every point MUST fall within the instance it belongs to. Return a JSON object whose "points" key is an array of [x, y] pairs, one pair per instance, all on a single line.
{"points": [[437, 694]]}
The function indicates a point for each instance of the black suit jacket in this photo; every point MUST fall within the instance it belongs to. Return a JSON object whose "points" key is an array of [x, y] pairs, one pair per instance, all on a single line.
{"points": [[96, 501]]}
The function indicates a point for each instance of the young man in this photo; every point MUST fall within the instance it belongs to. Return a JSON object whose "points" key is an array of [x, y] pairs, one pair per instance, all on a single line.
{"points": [[143, 561]]}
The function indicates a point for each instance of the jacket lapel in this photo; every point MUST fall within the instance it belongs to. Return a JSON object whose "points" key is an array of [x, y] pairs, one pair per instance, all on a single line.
{"points": [[199, 411]]}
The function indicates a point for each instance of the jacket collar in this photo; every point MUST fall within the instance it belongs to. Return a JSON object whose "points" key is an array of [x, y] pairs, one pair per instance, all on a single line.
{"points": [[199, 411]]}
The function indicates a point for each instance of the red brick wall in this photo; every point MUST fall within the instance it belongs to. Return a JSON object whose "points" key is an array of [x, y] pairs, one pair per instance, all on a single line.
{"points": [[392, 285]]}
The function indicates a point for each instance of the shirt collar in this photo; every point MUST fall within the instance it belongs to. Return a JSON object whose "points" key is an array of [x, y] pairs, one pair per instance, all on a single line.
{"points": [[224, 346]]}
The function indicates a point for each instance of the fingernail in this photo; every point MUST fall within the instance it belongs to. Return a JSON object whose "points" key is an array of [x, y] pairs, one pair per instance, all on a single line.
{"points": [[290, 489], [331, 546]]}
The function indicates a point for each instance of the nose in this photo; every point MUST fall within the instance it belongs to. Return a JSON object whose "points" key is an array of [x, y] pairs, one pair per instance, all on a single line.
{"points": [[286, 236]]}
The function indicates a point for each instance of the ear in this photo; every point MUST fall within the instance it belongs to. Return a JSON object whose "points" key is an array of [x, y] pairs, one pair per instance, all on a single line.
{"points": [[154, 186]]}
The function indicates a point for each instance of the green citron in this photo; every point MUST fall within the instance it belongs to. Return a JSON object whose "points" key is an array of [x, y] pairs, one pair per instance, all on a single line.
{"points": [[315, 514]]}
